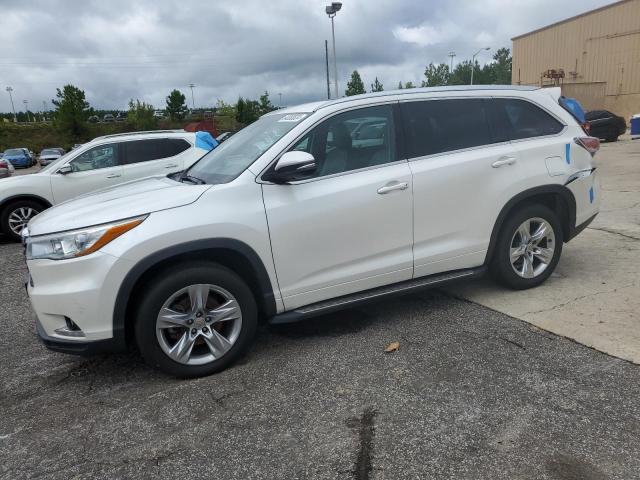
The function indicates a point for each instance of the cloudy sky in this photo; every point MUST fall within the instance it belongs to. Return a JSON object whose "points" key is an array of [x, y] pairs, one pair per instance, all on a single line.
{"points": [[120, 49]]}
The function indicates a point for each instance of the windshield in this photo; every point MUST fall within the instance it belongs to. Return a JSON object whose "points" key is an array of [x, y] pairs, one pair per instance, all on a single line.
{"points": [[49, 151], [229, 159], [13, 151]]}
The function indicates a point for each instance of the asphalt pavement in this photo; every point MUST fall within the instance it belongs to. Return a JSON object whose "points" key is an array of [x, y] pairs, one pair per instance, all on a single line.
{"points": [[471, 393]]}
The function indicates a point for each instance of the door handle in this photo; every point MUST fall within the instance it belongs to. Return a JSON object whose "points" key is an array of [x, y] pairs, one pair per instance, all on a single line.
{"points": [[503, 161], [171, 165], [115, 175], [393, 186]]}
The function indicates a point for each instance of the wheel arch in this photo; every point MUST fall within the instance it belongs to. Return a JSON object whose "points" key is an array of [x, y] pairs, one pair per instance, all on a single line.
{"points": [[25, 196], [557, 197], [231, 253]]}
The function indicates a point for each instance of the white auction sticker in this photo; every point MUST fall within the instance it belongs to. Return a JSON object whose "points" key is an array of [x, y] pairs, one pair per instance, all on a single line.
{"points": [[293, 117]]}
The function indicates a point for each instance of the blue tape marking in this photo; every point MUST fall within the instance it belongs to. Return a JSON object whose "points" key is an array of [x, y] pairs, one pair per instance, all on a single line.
{"points": [[567, 153], [592, 195]]}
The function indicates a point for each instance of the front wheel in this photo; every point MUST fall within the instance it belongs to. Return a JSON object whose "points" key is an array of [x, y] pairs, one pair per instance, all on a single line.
{"points": [[195, 320], [528, 247], [16, 215]]}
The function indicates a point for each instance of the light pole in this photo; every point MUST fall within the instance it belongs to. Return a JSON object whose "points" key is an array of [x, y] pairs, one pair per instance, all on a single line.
{"points": [[26, 109], [331, 10], [193, 102], [473, 61], [15, 118]]}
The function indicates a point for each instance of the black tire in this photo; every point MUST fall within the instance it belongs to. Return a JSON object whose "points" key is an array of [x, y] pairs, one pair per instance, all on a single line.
{"points": [[163, 287], [12, 207], [501, 266]]}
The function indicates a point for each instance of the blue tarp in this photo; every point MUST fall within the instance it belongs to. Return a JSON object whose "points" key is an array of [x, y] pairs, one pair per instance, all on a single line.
{"points": [[573, 107], [205, 141]]}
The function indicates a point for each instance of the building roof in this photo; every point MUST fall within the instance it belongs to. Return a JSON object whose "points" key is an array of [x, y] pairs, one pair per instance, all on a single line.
{"points": [[590, 12]]}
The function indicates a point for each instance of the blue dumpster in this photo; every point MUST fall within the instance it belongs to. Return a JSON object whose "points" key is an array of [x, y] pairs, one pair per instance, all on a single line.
{"points": [[635, 124]]}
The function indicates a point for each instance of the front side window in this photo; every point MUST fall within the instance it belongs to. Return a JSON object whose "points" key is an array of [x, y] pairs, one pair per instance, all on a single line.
{"points": [[352, 140], [102, 156], [232, 157], [438, 126]]}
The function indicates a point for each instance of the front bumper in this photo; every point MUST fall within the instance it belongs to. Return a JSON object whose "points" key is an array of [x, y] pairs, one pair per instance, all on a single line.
{"points": [[82, 290], [76, 347]]}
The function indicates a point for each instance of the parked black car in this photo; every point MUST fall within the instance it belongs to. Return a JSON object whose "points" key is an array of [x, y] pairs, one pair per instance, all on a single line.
{"points": [[605, 124]]}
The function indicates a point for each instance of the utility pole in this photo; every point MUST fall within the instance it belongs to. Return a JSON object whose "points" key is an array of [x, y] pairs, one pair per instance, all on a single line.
{"points": [[331, 10], [326, 60], [193, 102], [15, 118], [451, 55]]}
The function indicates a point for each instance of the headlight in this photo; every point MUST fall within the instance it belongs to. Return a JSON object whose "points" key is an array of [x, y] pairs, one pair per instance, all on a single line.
{"points": [[77, 243]]}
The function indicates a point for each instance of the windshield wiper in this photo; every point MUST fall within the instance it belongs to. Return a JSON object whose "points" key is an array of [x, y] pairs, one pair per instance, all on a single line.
{"points": [[192, 179]]}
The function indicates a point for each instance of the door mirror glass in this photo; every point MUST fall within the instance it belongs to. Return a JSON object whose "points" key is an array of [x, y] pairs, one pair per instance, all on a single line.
{"points": [[294, 165], [65, 169]]}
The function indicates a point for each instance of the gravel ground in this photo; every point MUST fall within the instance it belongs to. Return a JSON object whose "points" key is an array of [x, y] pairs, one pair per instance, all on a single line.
{"points": [[471, 393]]}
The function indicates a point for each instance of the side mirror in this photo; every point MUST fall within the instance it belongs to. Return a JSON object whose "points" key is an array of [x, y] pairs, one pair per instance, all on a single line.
{"points": [[292, 166], [65, 169]]}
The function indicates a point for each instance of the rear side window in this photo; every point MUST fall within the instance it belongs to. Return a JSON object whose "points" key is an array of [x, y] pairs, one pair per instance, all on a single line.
{"points": [[147, 150], [176, 146], [523, 119], [436, 126]]}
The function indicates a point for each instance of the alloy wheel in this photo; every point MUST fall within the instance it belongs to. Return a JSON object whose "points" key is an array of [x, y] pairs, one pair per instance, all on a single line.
{"points": [[532, 247], [19, 218], [198, 324]]}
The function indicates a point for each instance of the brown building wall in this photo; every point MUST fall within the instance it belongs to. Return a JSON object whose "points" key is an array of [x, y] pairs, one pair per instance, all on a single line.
{"points": [[599, 52]]}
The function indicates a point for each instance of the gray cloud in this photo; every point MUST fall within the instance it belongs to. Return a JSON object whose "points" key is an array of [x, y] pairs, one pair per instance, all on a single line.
{"points": [[121, 49]]}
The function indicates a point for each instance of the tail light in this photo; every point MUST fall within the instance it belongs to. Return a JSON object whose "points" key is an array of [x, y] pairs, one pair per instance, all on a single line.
{"points": [[3, 164], [590, 144], [586, 126]]}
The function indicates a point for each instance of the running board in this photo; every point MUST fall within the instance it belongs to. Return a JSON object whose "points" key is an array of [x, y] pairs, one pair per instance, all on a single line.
{"points": [[328, 306]]}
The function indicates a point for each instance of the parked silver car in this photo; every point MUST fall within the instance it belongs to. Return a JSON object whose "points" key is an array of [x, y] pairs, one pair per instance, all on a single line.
{"points": [[49, 155]]}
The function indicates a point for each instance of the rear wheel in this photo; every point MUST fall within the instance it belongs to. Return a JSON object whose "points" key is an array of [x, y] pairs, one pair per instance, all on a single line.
{"points": [[16, 215], [195, 320], [528, 248]]}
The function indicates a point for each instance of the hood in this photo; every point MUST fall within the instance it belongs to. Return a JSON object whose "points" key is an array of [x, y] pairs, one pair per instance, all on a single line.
{"points": [[116, 203]]}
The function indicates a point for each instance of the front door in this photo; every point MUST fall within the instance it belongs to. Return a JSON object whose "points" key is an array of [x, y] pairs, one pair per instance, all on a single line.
{"points": [[349, 227], [95, 169]]}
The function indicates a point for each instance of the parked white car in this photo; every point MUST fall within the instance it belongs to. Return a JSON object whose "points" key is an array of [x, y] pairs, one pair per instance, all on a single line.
{"points": [[104, 162], [293, 217]]}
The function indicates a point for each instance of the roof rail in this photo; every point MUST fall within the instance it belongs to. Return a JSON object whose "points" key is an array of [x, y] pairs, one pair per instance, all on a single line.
{"points": [[146, 132]]}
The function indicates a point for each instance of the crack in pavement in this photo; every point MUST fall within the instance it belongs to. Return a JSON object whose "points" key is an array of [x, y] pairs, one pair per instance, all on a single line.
{"points": [[560, 305], [365, 427], [631, 237]]}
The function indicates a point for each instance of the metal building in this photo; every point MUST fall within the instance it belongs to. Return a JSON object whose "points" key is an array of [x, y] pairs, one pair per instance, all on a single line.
{"points": [[594, 57]]}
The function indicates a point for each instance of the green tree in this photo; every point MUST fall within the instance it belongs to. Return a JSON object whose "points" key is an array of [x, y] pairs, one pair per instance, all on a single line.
{"points": [[265, 103], [247, 111], [409, 85], [400, 87], [72, 110], [176, 105], [141, 115], [225, 109], [501, 67], [355, 86], [436, 75], [377, 86], [461, 74]]}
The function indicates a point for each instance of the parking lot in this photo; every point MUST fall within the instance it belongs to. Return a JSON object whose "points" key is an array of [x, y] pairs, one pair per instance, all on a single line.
{"points": [[471, 392]]}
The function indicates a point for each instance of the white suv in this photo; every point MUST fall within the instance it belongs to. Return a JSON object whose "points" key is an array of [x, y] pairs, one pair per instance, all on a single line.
{"points": [[311, 209], [103, 162]]}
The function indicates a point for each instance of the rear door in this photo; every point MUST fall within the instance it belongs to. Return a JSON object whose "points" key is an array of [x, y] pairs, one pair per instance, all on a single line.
{"points": [[97, 168], [462, 175], [156, 156]]}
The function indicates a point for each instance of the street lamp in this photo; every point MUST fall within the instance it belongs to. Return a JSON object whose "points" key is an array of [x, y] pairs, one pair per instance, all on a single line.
{"points": [[473, 61], [331, 10], [193, 102], [15, 118], [452, 56], [26, 109]]}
